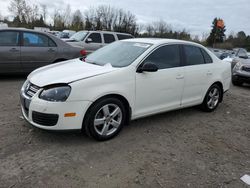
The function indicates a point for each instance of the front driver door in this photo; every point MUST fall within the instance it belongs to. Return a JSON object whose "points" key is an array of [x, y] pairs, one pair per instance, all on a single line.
{"points": [[93, 42], [162, 90]]}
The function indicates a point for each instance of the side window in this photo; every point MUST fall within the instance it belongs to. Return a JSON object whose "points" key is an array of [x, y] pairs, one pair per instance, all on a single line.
{"points": [[9, 38], [35, 40], [122, 37], [206, 56], [96, 37], [165, 57], [193, 55], [108, 38], [52, 43]]}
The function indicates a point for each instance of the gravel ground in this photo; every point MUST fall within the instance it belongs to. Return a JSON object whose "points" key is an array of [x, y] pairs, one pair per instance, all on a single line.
{"points": [[184, 148]]}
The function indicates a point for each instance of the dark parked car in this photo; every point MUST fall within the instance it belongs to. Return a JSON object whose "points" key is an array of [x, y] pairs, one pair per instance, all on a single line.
{"points": [[23, 50], [241, 67]]}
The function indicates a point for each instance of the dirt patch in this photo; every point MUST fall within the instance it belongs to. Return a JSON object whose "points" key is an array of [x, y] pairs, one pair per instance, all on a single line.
{"points": [[184, 148]]}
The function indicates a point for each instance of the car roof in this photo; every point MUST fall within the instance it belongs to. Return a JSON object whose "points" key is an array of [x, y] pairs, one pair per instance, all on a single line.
{"points": [[159, 41], [21, 29], [111, 32]]}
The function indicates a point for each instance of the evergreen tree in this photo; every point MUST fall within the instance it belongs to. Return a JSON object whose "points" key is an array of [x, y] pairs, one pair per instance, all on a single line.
{"points": [[217, 33]]}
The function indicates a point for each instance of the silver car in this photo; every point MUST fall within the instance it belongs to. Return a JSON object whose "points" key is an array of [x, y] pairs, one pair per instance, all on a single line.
{"points": [[93, 40], [241, 68], [23, 50]]}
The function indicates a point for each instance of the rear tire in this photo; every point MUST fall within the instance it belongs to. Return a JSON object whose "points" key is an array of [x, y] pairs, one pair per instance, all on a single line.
{"points": [[212, 98], [105, 119]]}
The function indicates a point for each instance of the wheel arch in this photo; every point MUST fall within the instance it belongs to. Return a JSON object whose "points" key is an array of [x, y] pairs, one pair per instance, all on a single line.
{"points": [[117, 96], [221, 86]]}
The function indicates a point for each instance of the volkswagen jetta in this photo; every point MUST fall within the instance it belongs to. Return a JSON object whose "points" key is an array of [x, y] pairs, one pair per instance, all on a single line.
{"points": [[124, 81]]}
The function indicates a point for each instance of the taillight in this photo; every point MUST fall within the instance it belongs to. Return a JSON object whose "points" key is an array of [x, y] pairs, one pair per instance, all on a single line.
{"points": [[83, 53]]}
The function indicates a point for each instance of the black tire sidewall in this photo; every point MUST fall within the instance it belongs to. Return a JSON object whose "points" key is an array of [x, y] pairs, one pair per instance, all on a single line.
{"points": [[90, 116], [205, 105]]}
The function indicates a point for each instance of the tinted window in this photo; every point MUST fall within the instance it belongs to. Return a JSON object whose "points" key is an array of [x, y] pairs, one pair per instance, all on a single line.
{"points": [[193, 55], [165, 57], [121, 37], [35, 40], [9, 38], [108, 38], [96, 37], [52, 43], [207, 57]]}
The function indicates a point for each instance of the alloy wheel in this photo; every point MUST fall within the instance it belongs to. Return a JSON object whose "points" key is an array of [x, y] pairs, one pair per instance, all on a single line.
{"points": [[108, 119]]}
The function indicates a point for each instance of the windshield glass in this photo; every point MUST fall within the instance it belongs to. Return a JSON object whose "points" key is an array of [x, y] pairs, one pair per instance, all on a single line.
{"points": [[118, 54], [79, 36]]}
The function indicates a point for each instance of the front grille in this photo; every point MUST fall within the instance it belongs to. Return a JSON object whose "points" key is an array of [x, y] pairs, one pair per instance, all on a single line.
{"points": [[247, 69], [31, 89], [45, 119]]}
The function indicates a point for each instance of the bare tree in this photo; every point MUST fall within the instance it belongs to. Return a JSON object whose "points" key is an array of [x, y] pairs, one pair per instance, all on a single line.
{"points": [[44, 12], [67, 16], [17, 8], [77, 21]]}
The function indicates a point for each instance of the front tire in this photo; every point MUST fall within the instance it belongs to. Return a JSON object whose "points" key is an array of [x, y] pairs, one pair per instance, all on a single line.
{"points": [[105, 119], [212, 98]]}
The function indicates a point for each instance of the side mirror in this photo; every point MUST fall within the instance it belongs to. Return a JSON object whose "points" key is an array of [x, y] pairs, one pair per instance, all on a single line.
{"points": [[147, 67], [89, 40]]}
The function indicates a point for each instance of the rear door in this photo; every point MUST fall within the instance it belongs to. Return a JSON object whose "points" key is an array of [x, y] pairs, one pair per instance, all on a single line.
{"points": [[198, 74], [10, 52], [108, 38], [37, 50]]}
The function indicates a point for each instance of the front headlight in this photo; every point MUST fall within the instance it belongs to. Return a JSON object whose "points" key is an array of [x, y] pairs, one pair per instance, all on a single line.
{"points": [[237, 66], [55, 93]]}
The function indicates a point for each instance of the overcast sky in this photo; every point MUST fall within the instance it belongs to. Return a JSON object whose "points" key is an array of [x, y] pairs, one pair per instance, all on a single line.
{"points": [[194, 15]]}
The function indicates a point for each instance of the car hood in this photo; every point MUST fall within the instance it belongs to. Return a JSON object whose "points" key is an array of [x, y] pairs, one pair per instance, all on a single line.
{"points": [[67, 72]]}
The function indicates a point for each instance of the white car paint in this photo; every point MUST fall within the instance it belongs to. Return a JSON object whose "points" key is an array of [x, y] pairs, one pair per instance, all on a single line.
{"points": [[147, 93]]}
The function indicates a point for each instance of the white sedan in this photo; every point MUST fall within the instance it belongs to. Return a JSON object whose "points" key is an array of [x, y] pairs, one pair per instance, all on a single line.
{"points": [[124, 81]]}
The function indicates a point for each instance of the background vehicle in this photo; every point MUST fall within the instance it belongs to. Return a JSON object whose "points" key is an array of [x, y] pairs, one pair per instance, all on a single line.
{"points": [[240, 56], [93, 40], [241, 68], [125, 80], [65, 34], [23, 50]]}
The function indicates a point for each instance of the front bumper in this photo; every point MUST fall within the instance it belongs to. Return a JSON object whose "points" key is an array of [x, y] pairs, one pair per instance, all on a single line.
{"points": [[47, 110], [241, 76]]}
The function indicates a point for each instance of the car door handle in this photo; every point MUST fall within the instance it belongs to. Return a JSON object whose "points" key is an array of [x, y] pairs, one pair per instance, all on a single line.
{"points": [[14, 50], [209, 73], [51, 50], [180, 76]]}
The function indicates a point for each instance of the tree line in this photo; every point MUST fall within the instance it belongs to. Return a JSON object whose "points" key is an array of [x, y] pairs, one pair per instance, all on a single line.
{"points": [[108, 18]]}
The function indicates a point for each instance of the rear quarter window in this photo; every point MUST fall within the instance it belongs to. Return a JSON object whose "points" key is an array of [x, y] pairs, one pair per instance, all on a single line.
{"points": [[206, 56]]}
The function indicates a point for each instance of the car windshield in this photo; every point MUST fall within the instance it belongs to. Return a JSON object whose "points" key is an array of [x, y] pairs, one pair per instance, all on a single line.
{"points": [[79, 36], [118, 54]]}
